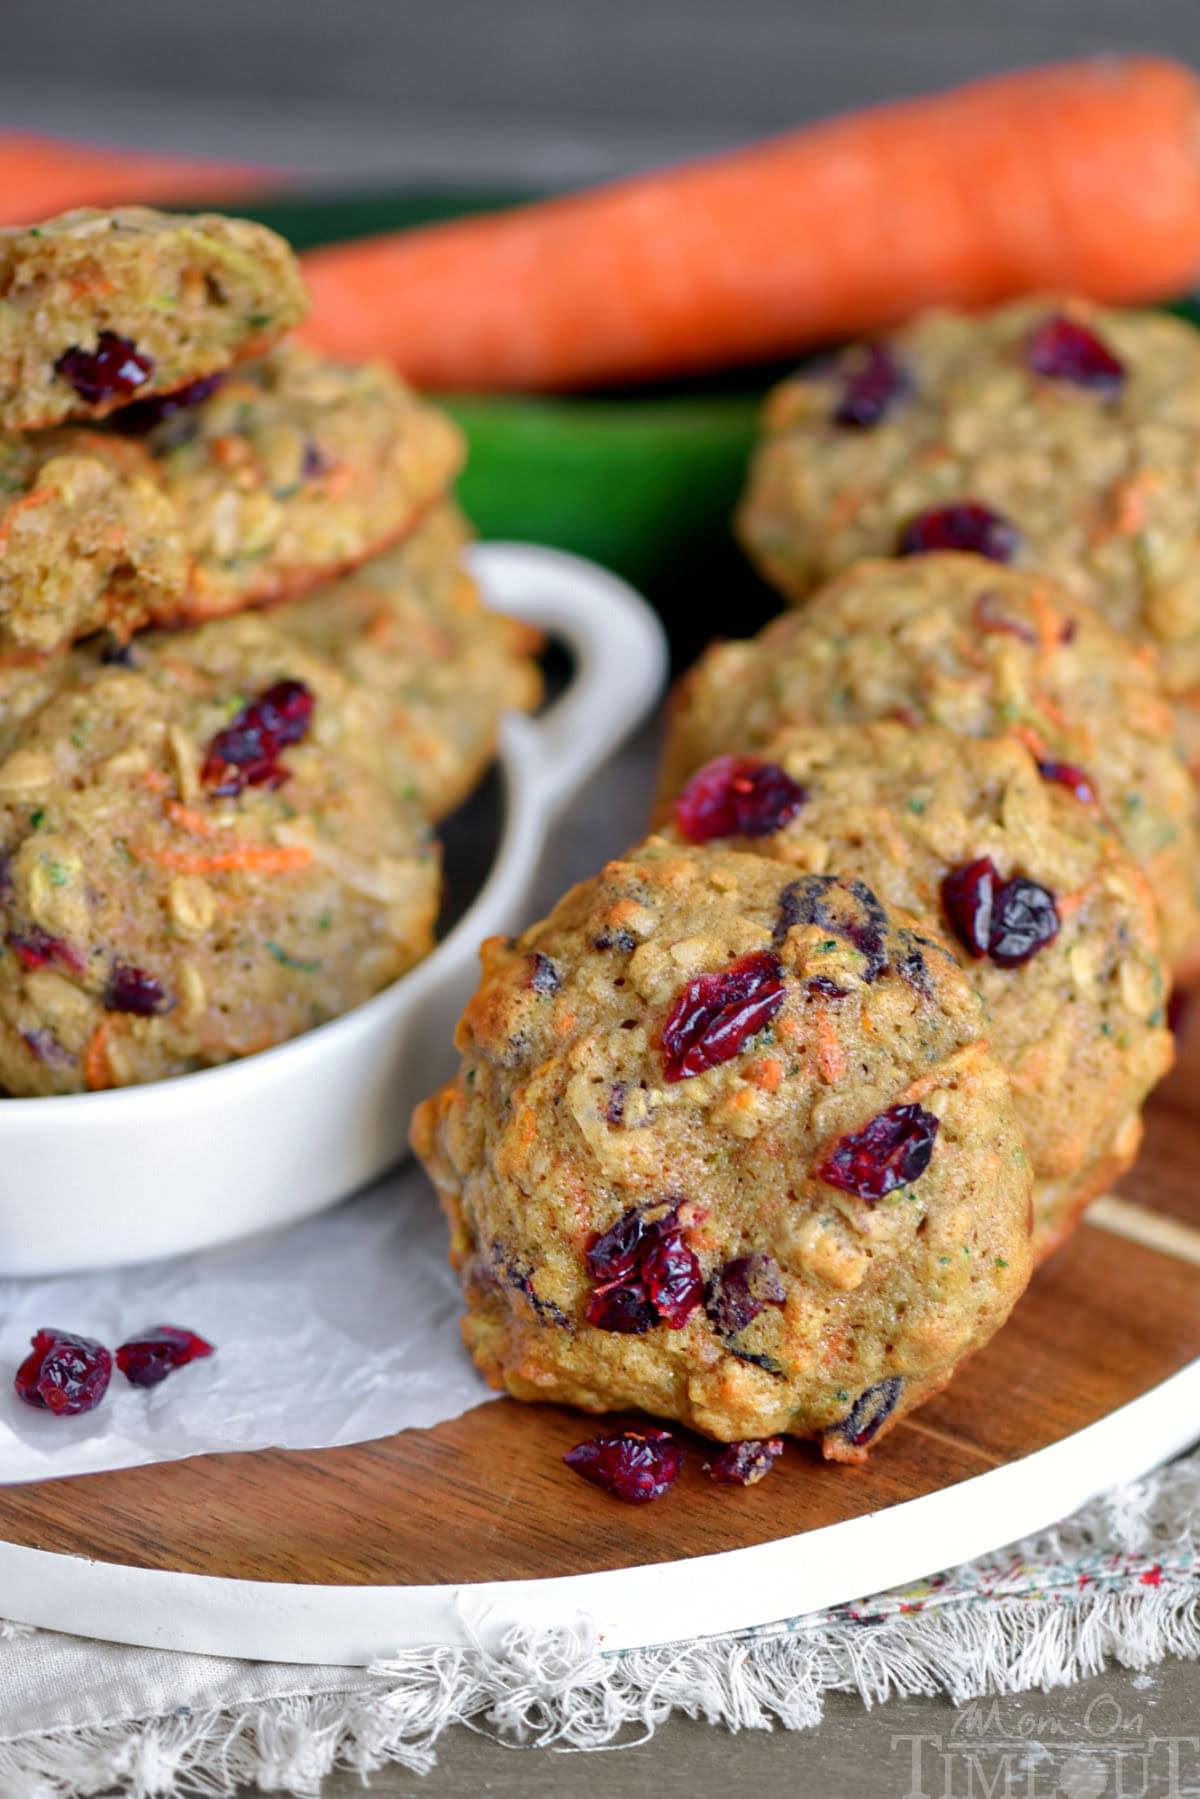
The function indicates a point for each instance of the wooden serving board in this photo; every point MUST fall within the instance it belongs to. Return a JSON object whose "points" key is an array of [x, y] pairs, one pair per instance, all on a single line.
{"points": [[340, 1554]]}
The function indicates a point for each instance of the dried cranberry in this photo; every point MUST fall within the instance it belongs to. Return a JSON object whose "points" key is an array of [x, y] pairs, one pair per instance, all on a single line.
{"points": [[745, 1464], [1067, 775], [617, 1251], [1007, 921], [825, 988], [625, 1307], [1064, 350], [846, 909], [635, 1465], [65, 1374], [115, 367], [892, 1150], [146, 1359], [1178, 1007], [37, 949], [544, 978], [133, 990], [740, 1290], [872, 385], [144, 415], [967, 525], [673, 1279], [869, 1413], [1024, 920], [969, 896], [716, 1013], [645, 1273], [737, 796], [246, 752]]}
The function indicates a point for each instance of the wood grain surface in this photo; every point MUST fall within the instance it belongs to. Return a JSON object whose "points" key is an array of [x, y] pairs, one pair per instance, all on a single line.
{"points": [[486, 1497]]}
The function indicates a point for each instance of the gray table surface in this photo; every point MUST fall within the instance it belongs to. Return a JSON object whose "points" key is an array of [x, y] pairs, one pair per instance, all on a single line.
{"points": [[558, 91]]}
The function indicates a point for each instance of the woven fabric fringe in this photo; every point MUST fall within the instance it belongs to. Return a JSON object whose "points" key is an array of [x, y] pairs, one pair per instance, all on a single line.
{"points": [[1120, 1581]]}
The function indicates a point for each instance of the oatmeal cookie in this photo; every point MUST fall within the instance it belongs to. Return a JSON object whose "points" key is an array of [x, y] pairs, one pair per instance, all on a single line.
{"points": [[957, 641], [1055, 925], [728, 1144], [100, 308], [1057, 435], [194, 868]]}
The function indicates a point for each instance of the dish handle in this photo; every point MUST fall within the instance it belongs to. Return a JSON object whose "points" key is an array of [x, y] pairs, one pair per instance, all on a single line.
{"points": [[620, 656]]}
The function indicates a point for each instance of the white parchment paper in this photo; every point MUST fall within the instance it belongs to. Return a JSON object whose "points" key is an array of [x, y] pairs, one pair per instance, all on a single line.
{"points": [[332, 1331]]}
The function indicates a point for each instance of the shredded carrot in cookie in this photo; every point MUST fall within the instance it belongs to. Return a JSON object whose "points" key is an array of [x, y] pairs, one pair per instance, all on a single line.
{"points": [[97, 1069], [155, 780], [831, 1057], [36, 497], [766, 1073], [188, 819], [258, 858]]}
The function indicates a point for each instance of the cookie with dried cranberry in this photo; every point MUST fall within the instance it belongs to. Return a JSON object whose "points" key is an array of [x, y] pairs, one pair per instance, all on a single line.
{"points": [[87, 538], [957, 641], [101, 308], [294, 470], [728, 1144], [194, 868], [290, 471], [433, 668], [1055, 925], [1053, 435]]}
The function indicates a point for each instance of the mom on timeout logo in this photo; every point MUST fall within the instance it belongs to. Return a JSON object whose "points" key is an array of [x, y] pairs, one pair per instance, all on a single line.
{"points": [[1097, 1751]]}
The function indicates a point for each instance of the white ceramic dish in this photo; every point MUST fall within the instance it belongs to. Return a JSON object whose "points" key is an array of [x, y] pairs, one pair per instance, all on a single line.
{"points": [[99, 1179]]}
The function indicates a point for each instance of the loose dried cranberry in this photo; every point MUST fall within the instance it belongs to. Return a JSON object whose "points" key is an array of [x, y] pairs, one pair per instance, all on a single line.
{"points": [[246, 752], [969, 897], [968, 525], [872, 386], [625, 1307], [116, 366], [37, 949], [740, 1290], [737, 796], [892, 1150], [1024, 920], [65, 1374], [869, 1413], [635, 1465], [716, 1014], [673, 1279], [1064, 350], [1067, 775], [544, 977], [144, 415], [745, 1464], [150, 1357], [133, 990]]}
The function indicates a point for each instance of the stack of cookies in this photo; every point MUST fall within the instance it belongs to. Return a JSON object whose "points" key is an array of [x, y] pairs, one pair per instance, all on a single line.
{"points": [[765, 1128], [243, 668]]}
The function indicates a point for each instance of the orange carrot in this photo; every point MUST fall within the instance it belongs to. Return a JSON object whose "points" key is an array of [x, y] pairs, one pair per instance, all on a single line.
{"points": [[188, 819], [39, 177], [28, 502], [260, 858], [1082, 177]]}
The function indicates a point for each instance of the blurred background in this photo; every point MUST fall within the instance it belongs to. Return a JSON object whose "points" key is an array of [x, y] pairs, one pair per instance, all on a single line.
{"points": [[540, 91]]}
